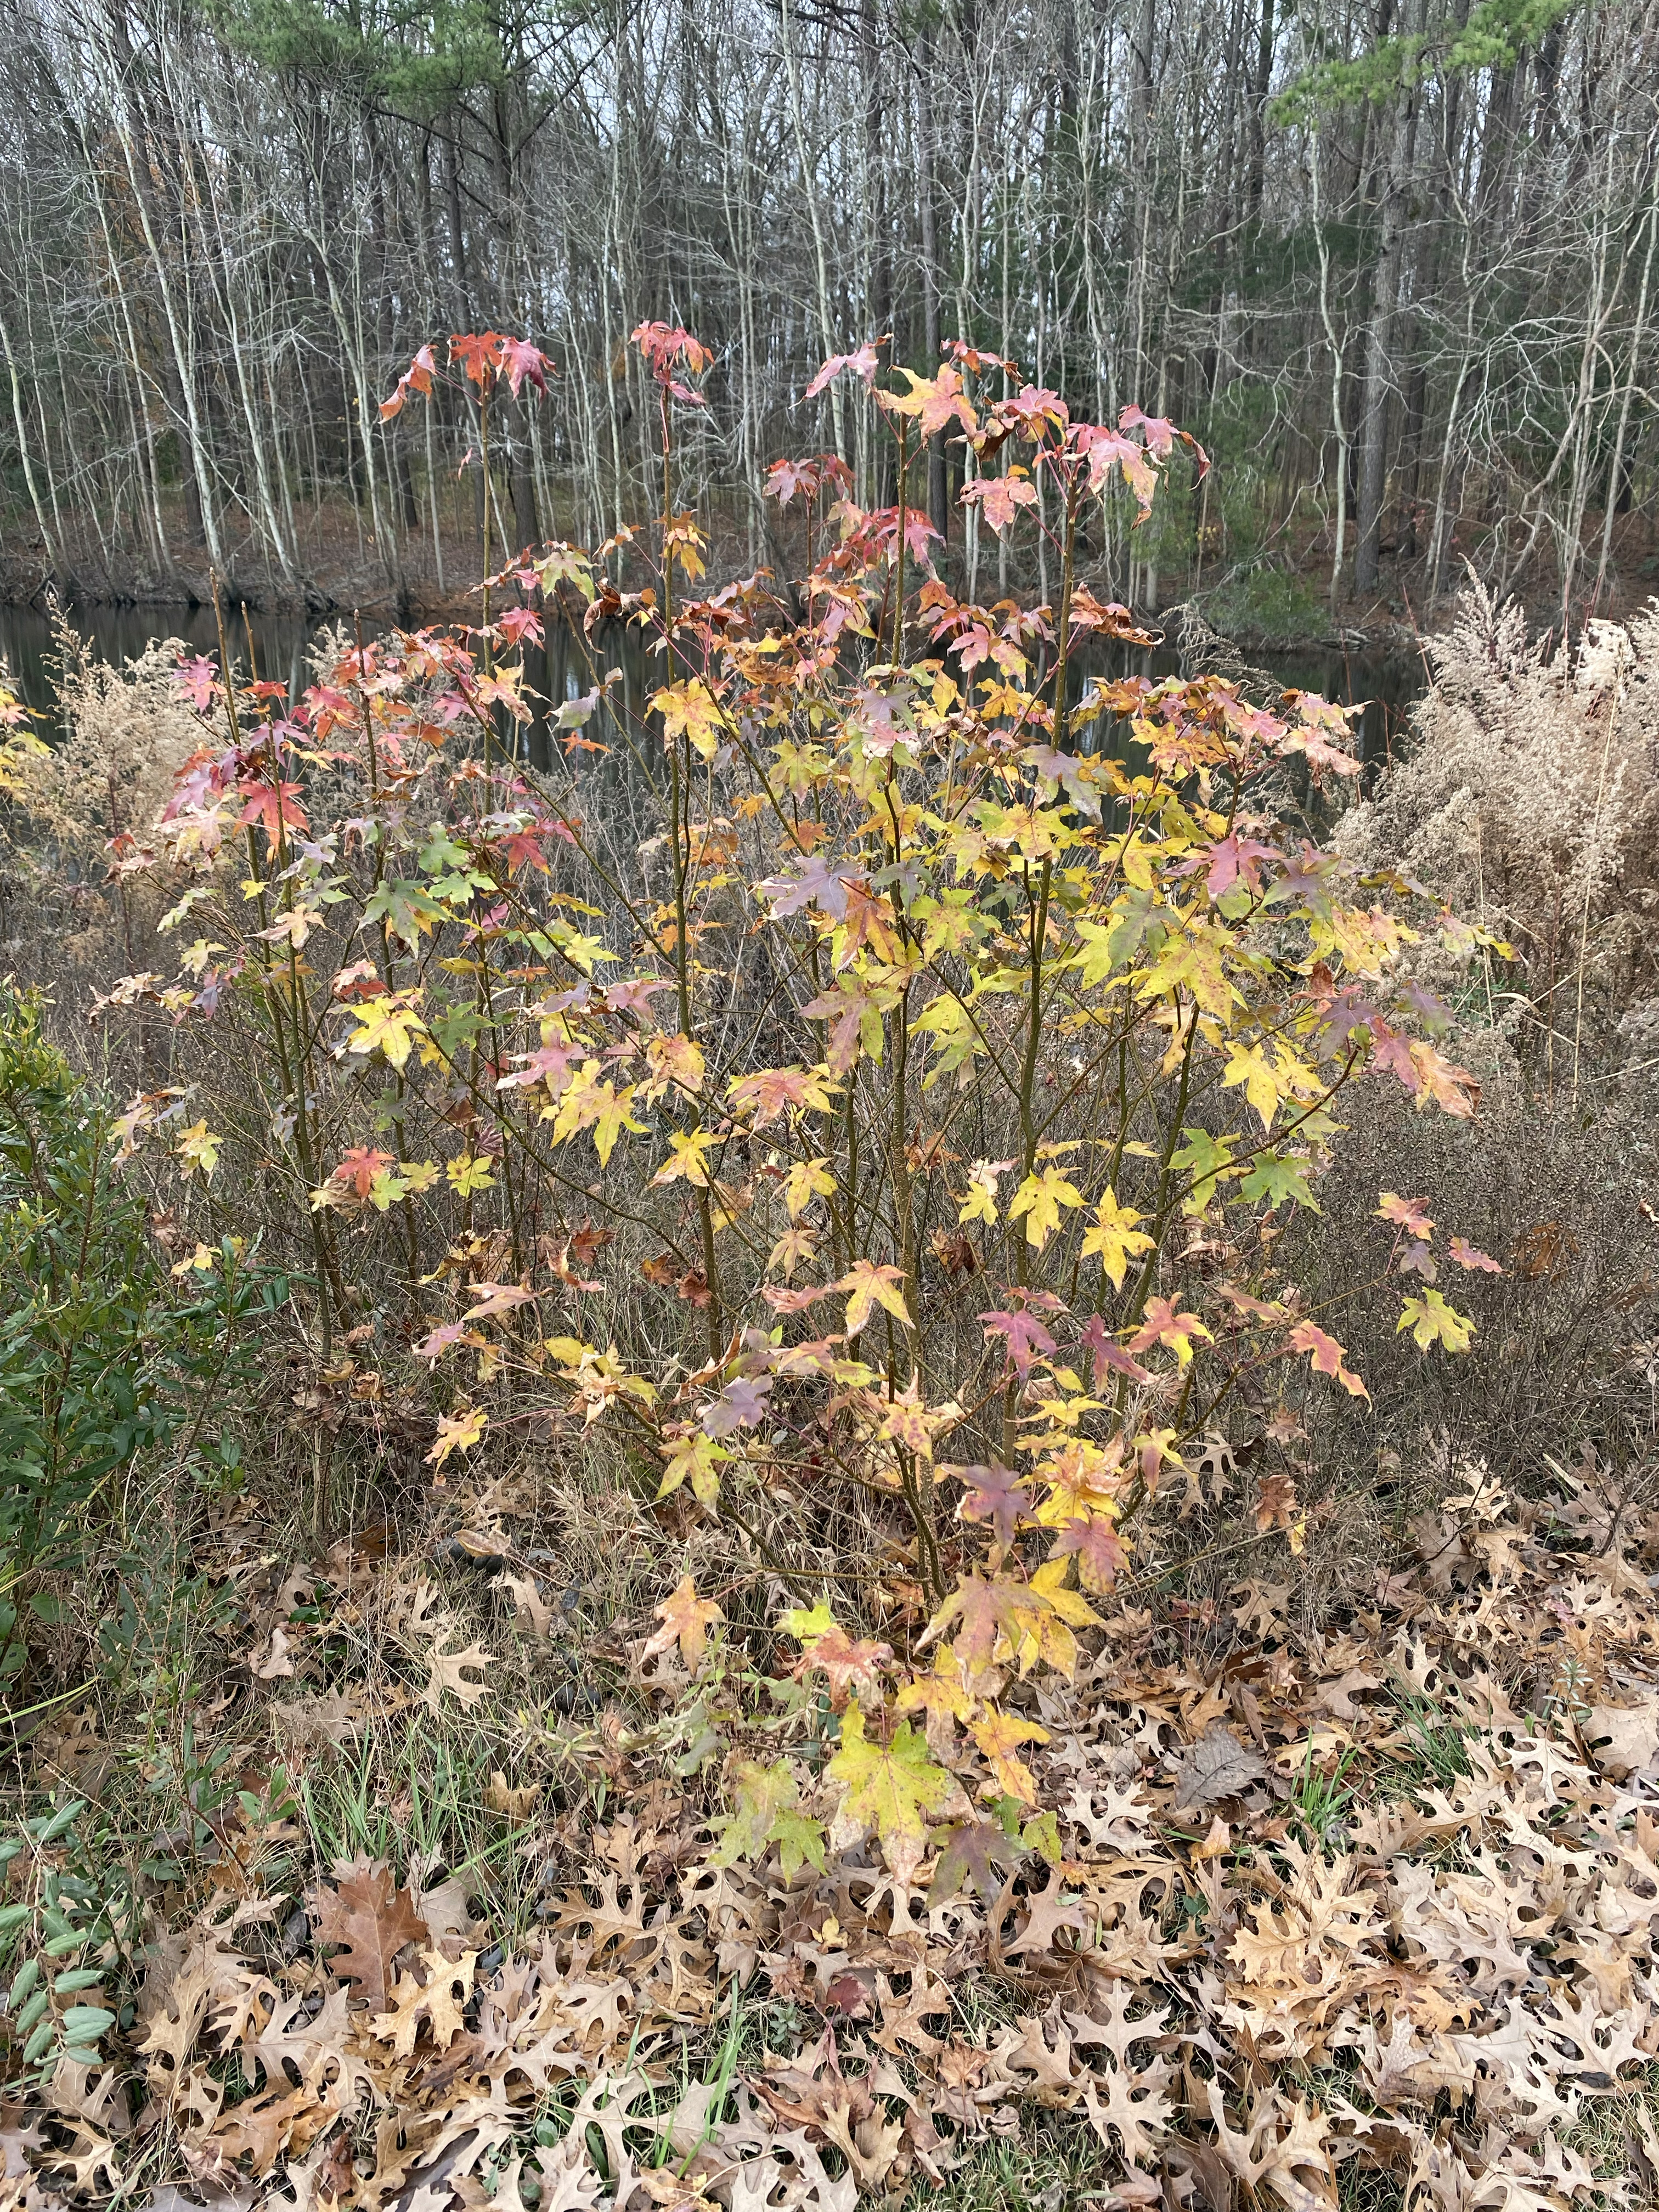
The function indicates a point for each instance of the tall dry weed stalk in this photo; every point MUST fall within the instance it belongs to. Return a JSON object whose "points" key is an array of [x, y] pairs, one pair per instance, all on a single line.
{"points": [[78, 812], [1530, 802]]}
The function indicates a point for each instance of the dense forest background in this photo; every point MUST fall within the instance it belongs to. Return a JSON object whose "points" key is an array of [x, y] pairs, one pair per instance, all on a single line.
{"points": [[1392, 263]]}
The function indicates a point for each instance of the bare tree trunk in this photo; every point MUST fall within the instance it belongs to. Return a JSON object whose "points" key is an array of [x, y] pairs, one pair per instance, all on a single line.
{"points": [[1393, 172], [938, 508]]}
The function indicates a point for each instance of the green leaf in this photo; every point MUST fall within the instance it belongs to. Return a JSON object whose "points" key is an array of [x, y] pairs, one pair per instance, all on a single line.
{"points": [[1278, 1176], [891, 1787], [806, 1624], [47, 1829], [1431, 1321], [1042, 1835], [767, 1811], [1207, 1159], [406, 910]]}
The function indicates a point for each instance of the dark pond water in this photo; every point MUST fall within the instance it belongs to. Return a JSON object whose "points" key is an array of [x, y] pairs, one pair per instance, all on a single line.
{"points": [[118, 633], [1388, 682]]}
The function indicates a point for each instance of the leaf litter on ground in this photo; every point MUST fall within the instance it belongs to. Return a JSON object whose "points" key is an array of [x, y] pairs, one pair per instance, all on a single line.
{"points": [[1242, 1979]]}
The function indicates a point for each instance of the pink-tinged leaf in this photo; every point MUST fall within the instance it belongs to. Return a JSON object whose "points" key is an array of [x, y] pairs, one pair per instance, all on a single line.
{"points": [[519, 623], [1267, 1310], [918, 532], [1321, 736], [1024, 1337], [442, 1339], [634, 996], [197, 679], [878, 719], [771, 1092], [977, 358], [1429, 1009], [1102, 1555], [1235, 859], [1392, 1052], [814, 882], [787, 480], [1340, 1013], [850, 1663], [1411, 1214], [741, 1404], [667, 347], [1322, 756], [358, 1168], [1158, 431], [784, 1301], [1000, 499], [272, 807], [993, 1494], [863, 364], [1109, 1356], [550, 1064], [1106, 450], [1453, 1089], [523, 363], [1162, 1324], [1327, 1356], [1034, 408], [1470, 1256], [1251, 723], [492, 1299]]}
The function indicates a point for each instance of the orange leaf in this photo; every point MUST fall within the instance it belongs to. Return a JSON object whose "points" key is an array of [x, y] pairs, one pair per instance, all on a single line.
{"points": [[1328, 1356], [686, 1619]]}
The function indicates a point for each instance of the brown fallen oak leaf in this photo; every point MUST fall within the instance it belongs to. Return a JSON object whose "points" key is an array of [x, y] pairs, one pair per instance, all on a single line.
{"points": [[1335, 1697], [268, 1661], [1623, 1739], [447, 1908], [1218, 1766], [370, 1920], [1281, 2145], [437, 1997], [15, 2138], [328, 1719], [531, 1609], [803, 2093], [448, 1670], [514, 1804], [264, 2127]]}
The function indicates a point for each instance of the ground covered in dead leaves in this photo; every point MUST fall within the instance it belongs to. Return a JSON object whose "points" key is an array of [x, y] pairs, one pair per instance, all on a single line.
{"points": [[1366, 1919]]}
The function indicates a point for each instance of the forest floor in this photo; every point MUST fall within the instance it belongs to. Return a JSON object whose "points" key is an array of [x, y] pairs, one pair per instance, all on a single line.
{"points": [[1358, 1914]]}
